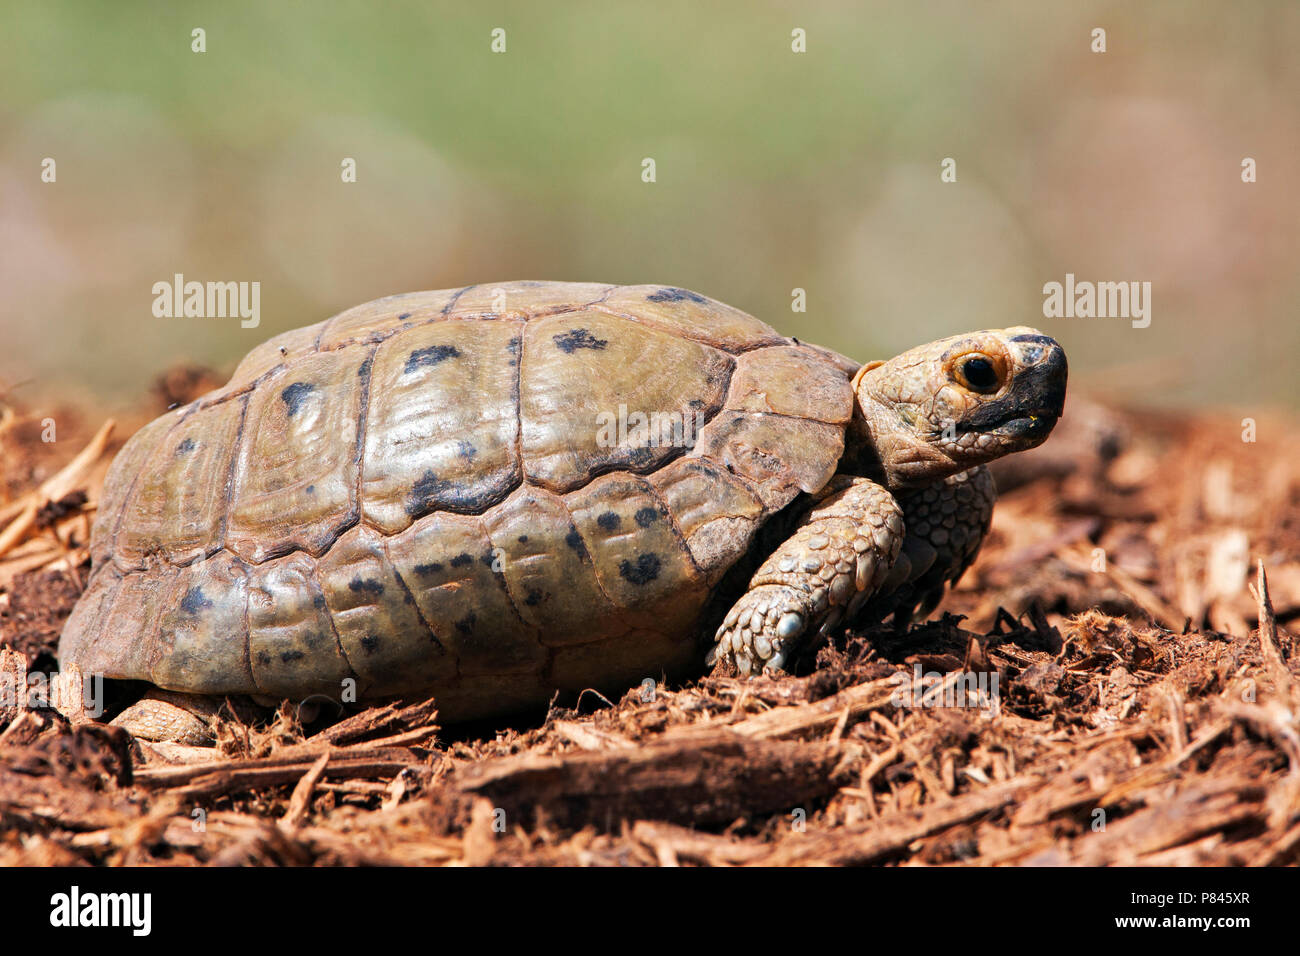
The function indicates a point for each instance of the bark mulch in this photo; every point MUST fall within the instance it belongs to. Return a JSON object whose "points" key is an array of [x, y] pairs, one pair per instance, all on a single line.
{"points": [[1112, 683]]}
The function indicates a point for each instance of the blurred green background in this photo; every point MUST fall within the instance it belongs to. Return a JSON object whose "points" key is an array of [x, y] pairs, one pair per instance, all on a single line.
{"points": [[775, 171]]}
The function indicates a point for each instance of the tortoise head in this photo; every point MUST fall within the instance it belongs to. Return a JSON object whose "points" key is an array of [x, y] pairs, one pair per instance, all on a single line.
{"points": [[959, 402]]}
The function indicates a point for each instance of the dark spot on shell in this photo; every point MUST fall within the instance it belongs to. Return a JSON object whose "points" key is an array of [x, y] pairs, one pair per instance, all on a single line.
{"points": [[523, 539], [478, 490], [575, 339], [263, 658], [311, 489], [370, 642], [423, 358], [187, 446], [403, 316], [646, 517], [424, 494], [466, 450], [288, 657], [574, 541], [534, 597], [367, 586], [642, 457], [424, 570], [462, 559], [644, 571], [671, 294], [609, 521], [466, 624], [696, 403], [488, 560], [318, 602], [194, 601], [294, 395]]}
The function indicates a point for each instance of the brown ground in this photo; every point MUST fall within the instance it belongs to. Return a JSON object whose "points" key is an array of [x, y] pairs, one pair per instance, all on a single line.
{"points": [[1143, 717]]}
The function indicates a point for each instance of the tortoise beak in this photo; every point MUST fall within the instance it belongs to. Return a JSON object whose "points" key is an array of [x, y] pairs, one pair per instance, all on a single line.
{"points": [[1043, 375], [1029, 410]]}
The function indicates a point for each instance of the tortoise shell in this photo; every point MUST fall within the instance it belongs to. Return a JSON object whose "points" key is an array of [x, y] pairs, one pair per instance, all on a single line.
{"points": [[489, 493]]}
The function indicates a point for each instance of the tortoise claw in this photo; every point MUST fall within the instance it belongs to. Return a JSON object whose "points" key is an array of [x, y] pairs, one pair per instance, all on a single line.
{"points": [[760, 629], [775, 664]]}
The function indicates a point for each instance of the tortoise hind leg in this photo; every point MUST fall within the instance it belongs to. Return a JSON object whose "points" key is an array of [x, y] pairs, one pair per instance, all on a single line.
{"points": [[174, 717], [838, 557], [163, 715]]}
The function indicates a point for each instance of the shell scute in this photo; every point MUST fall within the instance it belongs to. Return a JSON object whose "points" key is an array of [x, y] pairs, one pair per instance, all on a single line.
{"points": [[715, 511], [426, 453], [778, 456], [177, 508], [692, 315], [552, 585], [115, 508], [202, 642], [296, 475], [292, 647], [440, 558], [791, 380], [635, 548], [389, 645], [589, 378]]}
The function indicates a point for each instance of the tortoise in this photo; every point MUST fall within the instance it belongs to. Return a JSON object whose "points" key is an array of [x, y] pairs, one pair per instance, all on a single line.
{"points": [[501, 492]]}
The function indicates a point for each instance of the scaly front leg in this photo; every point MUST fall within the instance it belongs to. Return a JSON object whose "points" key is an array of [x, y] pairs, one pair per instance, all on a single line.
{"points": [[839, 556]]}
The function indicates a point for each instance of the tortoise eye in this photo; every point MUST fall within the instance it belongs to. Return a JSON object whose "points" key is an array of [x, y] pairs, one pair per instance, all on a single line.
{"points": [[979, 374]]}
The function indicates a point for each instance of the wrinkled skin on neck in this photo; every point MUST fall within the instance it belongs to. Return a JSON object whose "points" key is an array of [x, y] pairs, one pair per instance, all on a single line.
{"points": [[953, 404]]}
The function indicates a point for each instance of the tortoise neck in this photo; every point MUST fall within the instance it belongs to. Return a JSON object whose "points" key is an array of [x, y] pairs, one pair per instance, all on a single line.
{"points": [[861, 458]]}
